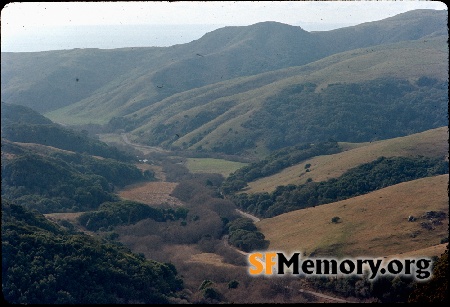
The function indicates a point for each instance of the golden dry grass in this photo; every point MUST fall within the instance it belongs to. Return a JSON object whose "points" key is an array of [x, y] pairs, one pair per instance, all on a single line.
{"points": [[211, 259], [210, 166], [151, 193], [430, 143], [375, 224], [435, 250]]}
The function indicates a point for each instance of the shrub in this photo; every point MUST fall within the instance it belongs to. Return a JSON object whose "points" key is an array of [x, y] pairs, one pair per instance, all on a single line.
{"points": [[335, 219], [233, 284]]}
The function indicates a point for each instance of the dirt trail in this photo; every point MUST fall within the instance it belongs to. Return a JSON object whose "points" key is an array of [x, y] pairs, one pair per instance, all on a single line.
{"points": [[143, 148], [248, 215]]}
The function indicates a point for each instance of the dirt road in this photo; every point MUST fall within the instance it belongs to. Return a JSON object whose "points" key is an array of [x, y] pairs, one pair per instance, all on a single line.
{"points": [[143, 148], [247, 215]]}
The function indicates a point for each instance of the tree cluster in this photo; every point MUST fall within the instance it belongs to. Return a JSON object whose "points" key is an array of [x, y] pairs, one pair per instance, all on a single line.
{"points": [[243, 234], [43, 264], [111, 214], [63, 182], [350, 112]]}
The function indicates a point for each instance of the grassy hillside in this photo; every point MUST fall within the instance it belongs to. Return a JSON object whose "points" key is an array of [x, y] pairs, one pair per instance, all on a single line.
{"points": [[431, 143], [142, 76], [230, 116], [406, 26], [435, 250], [50, 80], [209, 165], [81, 86], [375, 224]]}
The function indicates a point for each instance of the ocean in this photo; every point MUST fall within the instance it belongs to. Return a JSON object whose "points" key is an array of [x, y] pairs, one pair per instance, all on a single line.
{"points": [[102, 37]]}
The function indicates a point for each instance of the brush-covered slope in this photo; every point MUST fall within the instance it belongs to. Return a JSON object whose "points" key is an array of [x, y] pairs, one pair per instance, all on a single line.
{"points": [[17, 114], [375, 224], [377, 93], [44, 264], [49, 180], [22, 124], [91, 85], [54, 169], [431, 143]]}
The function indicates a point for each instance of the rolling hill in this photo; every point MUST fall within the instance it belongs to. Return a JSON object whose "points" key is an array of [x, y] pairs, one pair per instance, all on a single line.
{"points": [[219, 93], [22, 124], [47, 81], [361, 230], [242, 114], [431, 143], [355, 116], [52, 168]]}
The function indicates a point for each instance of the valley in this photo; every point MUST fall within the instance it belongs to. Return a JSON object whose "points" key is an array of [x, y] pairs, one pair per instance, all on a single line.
{"points": [[149, 175], [364, 228]]}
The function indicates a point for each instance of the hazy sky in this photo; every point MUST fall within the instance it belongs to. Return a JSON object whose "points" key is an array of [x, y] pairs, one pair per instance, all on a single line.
{"points": [[19, 19]]}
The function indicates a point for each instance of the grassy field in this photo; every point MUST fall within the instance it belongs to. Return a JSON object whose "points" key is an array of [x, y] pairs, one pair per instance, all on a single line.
{"points": [[435, 250], [431, 143], [209, 165], [151, 193], [375, 224]]}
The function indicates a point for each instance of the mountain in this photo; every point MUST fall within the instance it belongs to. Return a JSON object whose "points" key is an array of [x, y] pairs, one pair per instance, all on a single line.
{"points": [[215, 116], [94, 86], [59, 78]]}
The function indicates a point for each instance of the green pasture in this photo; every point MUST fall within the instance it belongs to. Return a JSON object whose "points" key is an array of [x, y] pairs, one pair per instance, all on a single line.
{"points": [[210, 165]]}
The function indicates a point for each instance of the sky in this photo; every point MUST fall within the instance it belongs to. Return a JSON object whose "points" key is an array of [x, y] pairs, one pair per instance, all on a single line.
{"points": [[37, 24]]}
